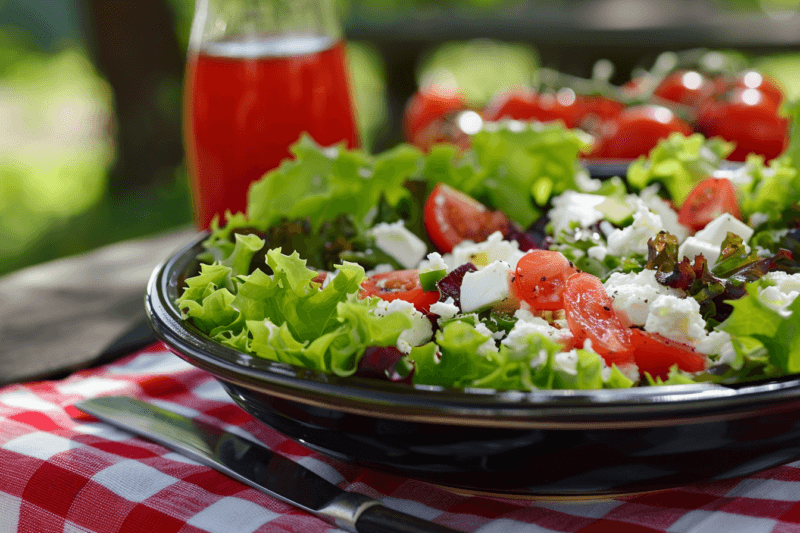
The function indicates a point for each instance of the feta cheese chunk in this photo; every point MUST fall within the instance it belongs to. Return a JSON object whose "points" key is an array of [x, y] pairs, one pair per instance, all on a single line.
{"points": [[485, 288], [445, 309], [527, 324], [481, 254], [677, 319], [708, 240], [780, 296], [398, 242], [659, 206], [633, 239], [634, 294], [433, 262]]}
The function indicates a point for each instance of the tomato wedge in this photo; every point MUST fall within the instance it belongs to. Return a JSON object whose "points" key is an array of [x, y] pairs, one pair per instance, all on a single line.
{"points": [[425, 116], [709, 199], [590, 315], [655, 354], [451, 216], [540, 278], [399, 285]]}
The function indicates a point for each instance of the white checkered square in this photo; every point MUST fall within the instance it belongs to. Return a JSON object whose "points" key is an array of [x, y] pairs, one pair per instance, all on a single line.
{"points": [[162, 363], [232, 514], [133, 480], [25, 399], [767, 489], [588, 509], [9, 511], [212, 390], [40, 445], [90, 387], [504, 525], [715, 522]]}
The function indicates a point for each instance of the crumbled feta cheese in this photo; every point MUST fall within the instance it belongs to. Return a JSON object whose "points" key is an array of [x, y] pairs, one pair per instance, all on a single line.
{"points": [[485, 288], [782, 294], [633, 239], [481, 254], [421, 330], [381, 268], [528, 324], [433, 262], [756, 219], [401, 244], [489, 346], [577, 207], [659, 206], [677, 319], [634, 294], [445, 309], [598, 252], [715, 343], [693, 247]]}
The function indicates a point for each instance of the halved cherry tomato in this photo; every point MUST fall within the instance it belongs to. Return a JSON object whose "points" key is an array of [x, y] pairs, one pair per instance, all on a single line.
{"points": [[540, 278], [656, 354], [684, 87], [709, 199], [399, 285], [451, 216], [427, 111], [590, 315], [636, 131]]}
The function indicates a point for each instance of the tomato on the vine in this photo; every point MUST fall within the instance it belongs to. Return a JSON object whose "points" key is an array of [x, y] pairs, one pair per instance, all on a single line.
{"points": [[636, 131], [399, 285], [426, 117], [590, 315], [749, 119], [773, 95], [523, 103], [655, 354], [540, 277], [451, 216], [709, 199], [685, 87], [597, 110]]}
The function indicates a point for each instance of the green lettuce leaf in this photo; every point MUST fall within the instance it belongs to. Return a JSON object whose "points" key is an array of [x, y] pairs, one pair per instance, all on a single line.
{"points": [[679, 163], [773, 191]]}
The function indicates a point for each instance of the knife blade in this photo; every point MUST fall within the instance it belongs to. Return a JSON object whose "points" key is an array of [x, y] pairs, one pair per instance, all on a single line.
{"points": [[255, 465]]}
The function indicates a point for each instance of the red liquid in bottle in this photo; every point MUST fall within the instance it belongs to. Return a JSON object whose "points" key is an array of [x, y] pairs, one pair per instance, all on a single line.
{"points": [[247, 102]]}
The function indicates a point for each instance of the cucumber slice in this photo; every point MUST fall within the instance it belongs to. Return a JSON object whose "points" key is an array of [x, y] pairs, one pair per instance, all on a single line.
{"points": [[616, 211], [429, 279]]}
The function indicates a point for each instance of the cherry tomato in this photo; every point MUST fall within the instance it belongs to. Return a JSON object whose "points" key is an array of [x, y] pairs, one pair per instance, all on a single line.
{"points": [[686, 87], [451, 216], [399, 285], [709, 199], [427, 113], [636, 131], [518, 104], [590, 315], [655, 354], [540, 278], [525, 104], [750, 80], [748, 119], [596, 110]]}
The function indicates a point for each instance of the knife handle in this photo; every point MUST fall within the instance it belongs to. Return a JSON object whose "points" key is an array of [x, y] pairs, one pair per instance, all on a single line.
{"points": [[381, 519]]}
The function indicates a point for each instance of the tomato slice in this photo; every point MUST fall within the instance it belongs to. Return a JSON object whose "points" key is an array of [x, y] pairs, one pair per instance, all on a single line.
{"points": [[399, 285], [590, 315], [451, 216], [709, 199], [540, 278], [656, 354]]}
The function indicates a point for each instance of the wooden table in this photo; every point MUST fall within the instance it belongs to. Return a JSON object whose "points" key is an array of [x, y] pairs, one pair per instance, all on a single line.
{"points": [[60, 316]]}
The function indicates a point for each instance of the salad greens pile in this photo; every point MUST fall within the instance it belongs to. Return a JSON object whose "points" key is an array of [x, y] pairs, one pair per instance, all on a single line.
{"points": [[256, 294]]}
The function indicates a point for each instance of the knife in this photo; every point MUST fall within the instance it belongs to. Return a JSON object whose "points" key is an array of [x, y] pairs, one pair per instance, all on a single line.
{"points": [[256, 466]]}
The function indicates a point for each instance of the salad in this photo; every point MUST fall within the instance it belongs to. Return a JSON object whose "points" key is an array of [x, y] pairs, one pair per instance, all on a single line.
{"points": [[507, 267]]}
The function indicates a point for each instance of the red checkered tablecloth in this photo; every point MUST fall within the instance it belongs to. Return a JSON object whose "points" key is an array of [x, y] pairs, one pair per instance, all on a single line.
{"points": [[63, 471]]}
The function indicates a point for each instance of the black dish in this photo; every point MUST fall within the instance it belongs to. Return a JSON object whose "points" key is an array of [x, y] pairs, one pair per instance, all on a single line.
{"points": [[543, 444]]}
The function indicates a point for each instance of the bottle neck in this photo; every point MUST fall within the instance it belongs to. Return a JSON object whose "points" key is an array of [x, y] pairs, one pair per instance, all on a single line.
{"points": [[217, 22]]}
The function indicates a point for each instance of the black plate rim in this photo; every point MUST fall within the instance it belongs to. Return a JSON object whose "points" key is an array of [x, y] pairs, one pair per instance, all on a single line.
{"points": [[646, 406]]}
